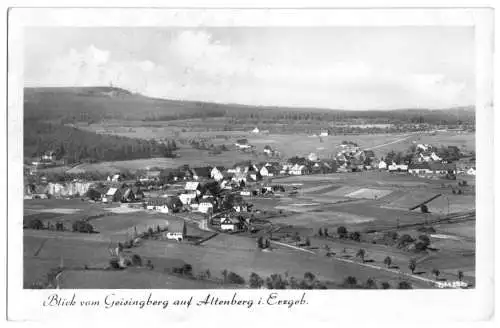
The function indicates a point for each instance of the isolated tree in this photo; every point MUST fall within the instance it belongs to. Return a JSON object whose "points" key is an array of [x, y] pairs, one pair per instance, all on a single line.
{"points": [[388, 261], [350, 282], [309, 276], [424, 208], [224, 274], [361, 254], [460, 275], [385, 285], [260, 242], [308, 242], [436, 273], [320, 232], [325, 232], [370, 284], [208, 274], [296, 238], [412, 265]]}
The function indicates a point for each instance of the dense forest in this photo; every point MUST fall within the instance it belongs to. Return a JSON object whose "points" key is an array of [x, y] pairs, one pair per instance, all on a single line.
{"points": [[73, 145], [93, 104]]}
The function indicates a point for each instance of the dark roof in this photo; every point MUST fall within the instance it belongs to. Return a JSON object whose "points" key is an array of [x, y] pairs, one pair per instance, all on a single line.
{"points": [[242, 141], [176, 226], [202, 171], [220, 168]]}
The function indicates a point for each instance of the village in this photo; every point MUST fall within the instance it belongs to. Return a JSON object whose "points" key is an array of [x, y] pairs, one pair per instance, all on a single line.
{"points": [[264, 202]]}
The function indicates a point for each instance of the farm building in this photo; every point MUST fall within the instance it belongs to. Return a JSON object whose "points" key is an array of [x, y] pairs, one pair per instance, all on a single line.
{"points": [[176, 230], [115, 178], [256, 130], [471, 171], [127, 195], [112, 195], [324, 133], [165, 205]]}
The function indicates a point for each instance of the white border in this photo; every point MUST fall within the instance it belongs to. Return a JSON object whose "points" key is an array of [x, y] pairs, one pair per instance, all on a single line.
{"points": [[326, 306]]}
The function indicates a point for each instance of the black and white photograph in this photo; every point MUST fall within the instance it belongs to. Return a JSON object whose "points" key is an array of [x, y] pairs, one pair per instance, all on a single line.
{"points": [[270, 156]]}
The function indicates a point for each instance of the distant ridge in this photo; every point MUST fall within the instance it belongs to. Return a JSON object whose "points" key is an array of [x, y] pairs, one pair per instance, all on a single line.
{"points": [[112, 102]]}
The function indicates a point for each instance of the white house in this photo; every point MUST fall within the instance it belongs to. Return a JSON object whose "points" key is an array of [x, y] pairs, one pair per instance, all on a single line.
{"points": [[398, 167], [256, 130], [268, 150], [424, 147], [217, 173], [240, 176], [471, 171], [435, 157], [187, 198], [230, 224], [297, 169], [419, 169], [192, 186], [205, 206], [324, 133], [116, 178]]}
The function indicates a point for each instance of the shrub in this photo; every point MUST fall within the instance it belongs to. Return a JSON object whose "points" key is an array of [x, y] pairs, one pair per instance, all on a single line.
{"points": [[114, 264], [425, 240], [405, 240], [356, 236], [424, 208], [308, 242], [404, 285], [136, 260], [385, 285], [82, 226], [235, 278], [255, 281]]}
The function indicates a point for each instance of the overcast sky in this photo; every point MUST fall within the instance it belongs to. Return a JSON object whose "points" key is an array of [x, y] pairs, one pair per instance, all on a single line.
{"points": [[327, 67]]}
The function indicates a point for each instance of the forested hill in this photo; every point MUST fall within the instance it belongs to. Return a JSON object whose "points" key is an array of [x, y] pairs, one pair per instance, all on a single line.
{"points": [[74, 145], [92, 104]]}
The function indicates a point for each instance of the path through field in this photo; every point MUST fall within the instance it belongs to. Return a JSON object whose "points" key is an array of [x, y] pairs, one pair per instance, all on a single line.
{"points": [[394, 271], [390, 143]]}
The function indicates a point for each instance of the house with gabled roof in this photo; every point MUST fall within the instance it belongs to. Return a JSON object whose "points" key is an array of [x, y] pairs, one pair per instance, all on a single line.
{"points": [[112, 195], [231, 224], [193, 186], [176, 230], [217, 173]]}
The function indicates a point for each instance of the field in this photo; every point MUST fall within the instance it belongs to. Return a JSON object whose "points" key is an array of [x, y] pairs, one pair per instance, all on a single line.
{"points": [[287, 144]]}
